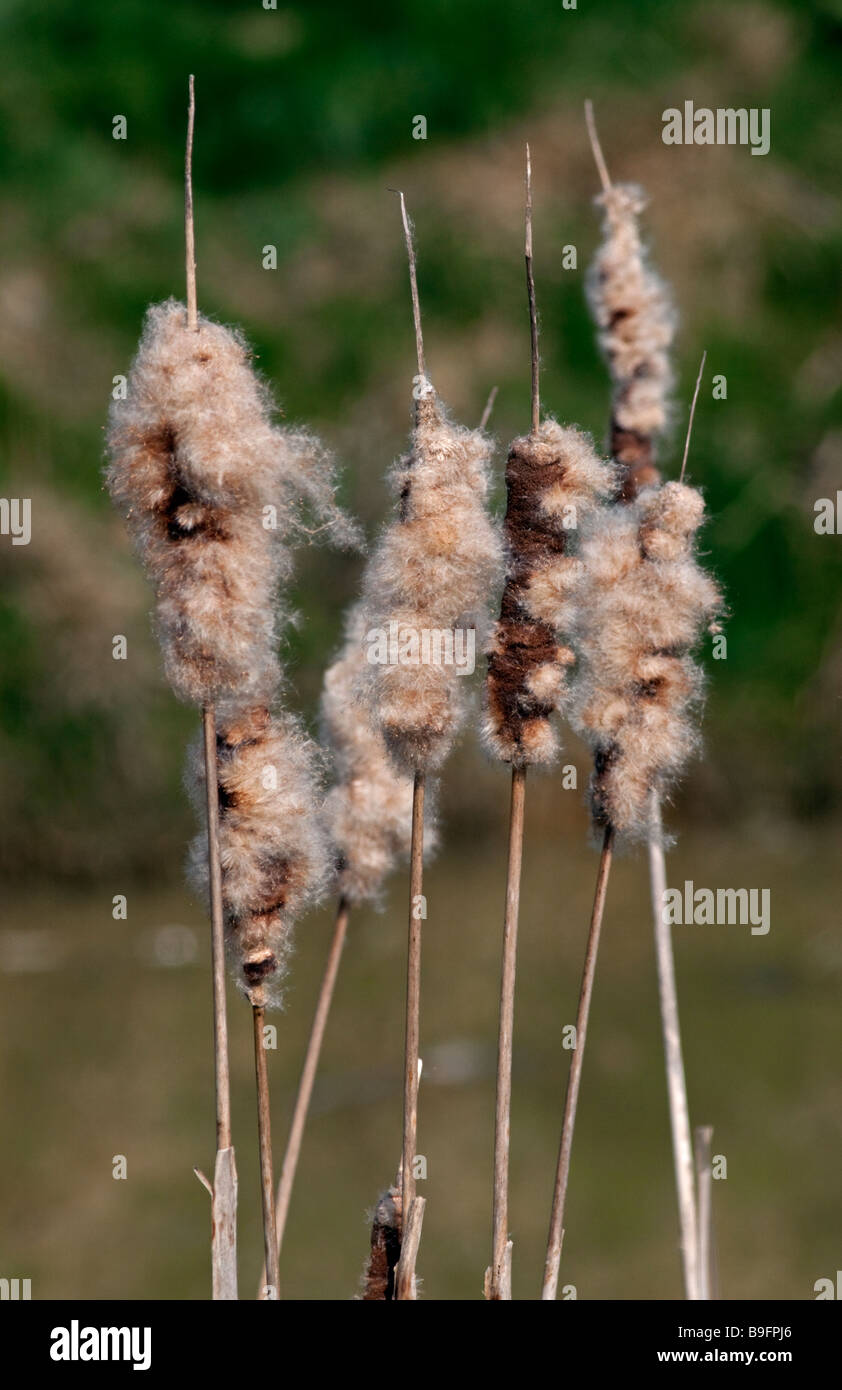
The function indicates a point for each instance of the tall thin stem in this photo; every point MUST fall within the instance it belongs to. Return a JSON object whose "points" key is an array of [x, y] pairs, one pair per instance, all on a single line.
{"points": [[704, 1184], [413, 285], [413, 1000], [530, 292], [224, 1240], [499, 1280], [599, 158], [692, 413], [489, 406], [571, 1100], [308, 1074], [682, 1144], [264, 1133], [189, 233]]}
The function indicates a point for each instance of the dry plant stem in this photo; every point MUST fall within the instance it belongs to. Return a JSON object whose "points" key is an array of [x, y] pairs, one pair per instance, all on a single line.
{"points": [[308, 1073], [405, 1273], [413, 999], [692, 413], [571, 1100], [224, 1240], [530, 291], [489, 406], [499, 1283], [189, 233], [599, 158], [682, 1144], [413, 286], [704, 1137], [269, 1292]]}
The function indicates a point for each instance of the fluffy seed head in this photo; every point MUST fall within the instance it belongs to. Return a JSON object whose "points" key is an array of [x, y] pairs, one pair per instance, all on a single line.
{"points": [[554, 480], [637, 325], [644, 604], [369, 809], [431, 573], [213, 492], [274, 853]]}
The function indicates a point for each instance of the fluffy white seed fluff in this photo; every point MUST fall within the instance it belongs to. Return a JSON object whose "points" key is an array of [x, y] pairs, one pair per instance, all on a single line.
{"points": [[433, 571], [213, 491], [644, 604], [636, 324], [369, 809], [275, 855]]}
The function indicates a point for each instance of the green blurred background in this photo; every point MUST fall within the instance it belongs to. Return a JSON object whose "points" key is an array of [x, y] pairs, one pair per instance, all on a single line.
{"points": [[304, 120]]}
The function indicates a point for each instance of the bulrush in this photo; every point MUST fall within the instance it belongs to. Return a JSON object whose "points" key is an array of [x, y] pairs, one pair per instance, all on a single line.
{"points": [[554, 480], [214, 492], [431, 573], [636, 324], [630, 679]]}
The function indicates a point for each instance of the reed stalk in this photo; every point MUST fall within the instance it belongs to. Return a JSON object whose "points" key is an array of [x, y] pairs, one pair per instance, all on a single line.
{"points": [[405, 1284], [499, 1277], [682, 1144], [499, 1283], [704, 1184], [308, 1077], [224, 1198], [269, 1292], [571, 1101]]}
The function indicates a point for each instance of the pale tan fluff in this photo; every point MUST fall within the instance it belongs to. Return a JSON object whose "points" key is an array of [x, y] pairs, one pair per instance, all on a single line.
{"points": [[275, 854], [645, 603], [213, 492], [636, 323], [433, 571], [368, 811]]}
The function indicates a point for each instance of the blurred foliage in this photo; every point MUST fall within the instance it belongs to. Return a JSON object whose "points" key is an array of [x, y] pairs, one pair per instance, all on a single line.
{"points": [[304, 120]]}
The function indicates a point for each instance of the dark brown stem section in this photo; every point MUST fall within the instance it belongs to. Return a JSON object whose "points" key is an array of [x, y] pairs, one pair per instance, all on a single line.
{"points": [[522, 644], [308, 1073], [498, 1285], [264, 1131], [571, 1101], [413, 994]]}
